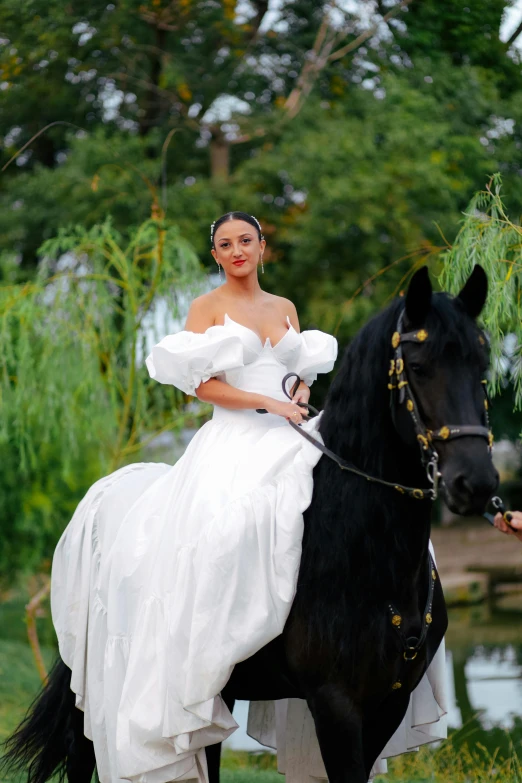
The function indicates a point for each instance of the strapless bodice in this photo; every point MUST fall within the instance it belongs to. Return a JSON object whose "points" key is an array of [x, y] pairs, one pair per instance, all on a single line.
{"points": [[264, 365]]}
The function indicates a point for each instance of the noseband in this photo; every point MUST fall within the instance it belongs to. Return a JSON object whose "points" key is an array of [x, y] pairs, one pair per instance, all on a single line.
{"points": [[402, 395]]}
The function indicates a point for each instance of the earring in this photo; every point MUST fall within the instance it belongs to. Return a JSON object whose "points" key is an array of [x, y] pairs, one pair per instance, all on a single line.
{"points": [[262, 267], [219, 267]]}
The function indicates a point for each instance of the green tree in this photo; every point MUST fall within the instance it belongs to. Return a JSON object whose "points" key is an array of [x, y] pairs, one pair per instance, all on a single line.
{"points": [[465, 33], [161, 71]]}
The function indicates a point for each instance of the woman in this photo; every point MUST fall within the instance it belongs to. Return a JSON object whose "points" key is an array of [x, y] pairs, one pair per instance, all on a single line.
{"points": [[167, 576]]}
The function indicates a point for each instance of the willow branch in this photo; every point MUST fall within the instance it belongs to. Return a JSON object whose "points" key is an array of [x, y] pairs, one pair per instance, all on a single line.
{"points": [[513, 37]]}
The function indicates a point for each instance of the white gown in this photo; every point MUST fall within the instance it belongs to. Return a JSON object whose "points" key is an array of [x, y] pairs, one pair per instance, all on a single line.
{"points": [[167, 576]]}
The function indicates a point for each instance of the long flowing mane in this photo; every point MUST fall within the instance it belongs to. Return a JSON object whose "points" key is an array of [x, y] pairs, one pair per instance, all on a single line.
{"points": [[361, 539]]}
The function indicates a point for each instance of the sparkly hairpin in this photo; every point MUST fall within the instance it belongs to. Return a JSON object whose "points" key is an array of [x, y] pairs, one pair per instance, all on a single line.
{"points": [[212, 230], [258, 224]]}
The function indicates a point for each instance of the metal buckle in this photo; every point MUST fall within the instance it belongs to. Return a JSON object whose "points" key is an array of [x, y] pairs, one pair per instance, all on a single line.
{"points": [[412, 648], [433, 474]]}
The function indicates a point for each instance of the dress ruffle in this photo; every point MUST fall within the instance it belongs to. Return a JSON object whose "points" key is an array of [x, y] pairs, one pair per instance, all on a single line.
{"points": [[317, 355], [186, 359]]}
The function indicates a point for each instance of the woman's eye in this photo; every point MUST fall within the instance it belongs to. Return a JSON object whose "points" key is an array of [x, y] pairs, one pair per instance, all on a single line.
{"points": [[247, 240]]}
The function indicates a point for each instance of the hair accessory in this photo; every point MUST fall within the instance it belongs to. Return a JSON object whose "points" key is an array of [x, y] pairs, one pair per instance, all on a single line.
{"points": [[212, 231], [258, 225]]}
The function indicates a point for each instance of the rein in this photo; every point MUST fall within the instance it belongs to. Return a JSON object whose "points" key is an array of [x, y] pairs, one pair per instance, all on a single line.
{"points": [[401, 395]]}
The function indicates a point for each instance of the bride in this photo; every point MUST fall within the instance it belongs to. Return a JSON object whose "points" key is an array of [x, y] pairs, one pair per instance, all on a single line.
{"points": [[167, 576]]}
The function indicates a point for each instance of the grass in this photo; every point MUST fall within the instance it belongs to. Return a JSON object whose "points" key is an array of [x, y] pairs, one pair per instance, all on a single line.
{"points": [[457, 760]]}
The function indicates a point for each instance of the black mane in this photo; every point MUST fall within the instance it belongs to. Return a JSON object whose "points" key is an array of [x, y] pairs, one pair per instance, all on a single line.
{"points": [[340, 556]]}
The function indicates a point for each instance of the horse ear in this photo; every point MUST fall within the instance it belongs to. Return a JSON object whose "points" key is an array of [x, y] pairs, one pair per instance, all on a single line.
{"points": [[473, 295], [418, 297]]}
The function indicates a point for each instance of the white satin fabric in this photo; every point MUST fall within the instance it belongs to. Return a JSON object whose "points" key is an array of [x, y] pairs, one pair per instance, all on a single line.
{"points": [[167, 576]]}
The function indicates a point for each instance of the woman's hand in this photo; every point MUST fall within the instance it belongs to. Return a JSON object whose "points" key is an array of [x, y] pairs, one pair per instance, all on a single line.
{"points": [[515, 525], [290, 410], [302, 394]]}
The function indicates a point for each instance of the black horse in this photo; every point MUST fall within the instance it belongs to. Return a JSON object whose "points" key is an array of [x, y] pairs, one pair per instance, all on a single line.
{"points": [[369, 612]]}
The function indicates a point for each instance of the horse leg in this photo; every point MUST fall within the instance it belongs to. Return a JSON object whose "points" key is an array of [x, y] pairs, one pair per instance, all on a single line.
{"points": [[338, 726], [213, 752], [81, 760], [380, 725]]}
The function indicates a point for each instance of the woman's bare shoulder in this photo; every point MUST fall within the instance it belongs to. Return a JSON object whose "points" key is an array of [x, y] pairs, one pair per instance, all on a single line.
{"points": [[287, 308], [201, 314]]}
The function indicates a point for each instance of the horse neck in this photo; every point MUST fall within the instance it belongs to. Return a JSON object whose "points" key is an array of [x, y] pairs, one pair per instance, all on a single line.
{"points": [[357, 421], [380, 529]]}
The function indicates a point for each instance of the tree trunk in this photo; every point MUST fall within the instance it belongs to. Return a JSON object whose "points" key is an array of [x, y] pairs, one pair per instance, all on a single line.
{"points": [[219, 157], [153, 104]]}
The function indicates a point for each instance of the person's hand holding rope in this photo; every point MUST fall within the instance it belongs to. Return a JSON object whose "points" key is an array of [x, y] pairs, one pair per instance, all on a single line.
{"points": [[510, 523]]}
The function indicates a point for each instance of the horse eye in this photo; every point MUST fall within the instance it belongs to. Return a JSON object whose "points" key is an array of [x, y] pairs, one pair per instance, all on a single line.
{"points": [[416, 368]]}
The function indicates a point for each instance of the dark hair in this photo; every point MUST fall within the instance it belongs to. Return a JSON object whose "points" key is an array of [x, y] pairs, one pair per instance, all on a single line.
{"points": [[235, 216]]}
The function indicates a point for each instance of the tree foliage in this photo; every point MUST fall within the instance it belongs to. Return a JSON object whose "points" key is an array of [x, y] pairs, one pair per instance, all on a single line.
{"points": [[76, 399], [76, 337]]}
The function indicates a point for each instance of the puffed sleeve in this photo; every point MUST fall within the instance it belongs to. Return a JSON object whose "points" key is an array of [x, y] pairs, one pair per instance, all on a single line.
{"points": [[318, 354], [186, 359]]}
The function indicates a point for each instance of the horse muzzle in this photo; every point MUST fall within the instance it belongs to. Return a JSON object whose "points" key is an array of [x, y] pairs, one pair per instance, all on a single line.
{"points": [[468, 481]]}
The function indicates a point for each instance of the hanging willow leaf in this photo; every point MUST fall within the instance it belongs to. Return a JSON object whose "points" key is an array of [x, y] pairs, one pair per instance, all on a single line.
{"points": [[73, 341], [490, 238]]}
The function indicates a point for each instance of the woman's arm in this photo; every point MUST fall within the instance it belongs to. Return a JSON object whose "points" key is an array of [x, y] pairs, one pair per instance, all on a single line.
{"points": [[220, 393]]}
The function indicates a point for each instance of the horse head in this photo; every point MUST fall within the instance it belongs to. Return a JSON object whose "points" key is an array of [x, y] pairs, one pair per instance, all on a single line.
{"points": [[438, 388]]}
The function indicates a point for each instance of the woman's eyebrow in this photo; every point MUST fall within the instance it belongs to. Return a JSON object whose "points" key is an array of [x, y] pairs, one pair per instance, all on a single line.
{"points": [[246, 234]]}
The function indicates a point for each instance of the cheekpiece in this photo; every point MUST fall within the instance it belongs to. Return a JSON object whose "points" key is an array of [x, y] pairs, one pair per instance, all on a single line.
{"points": [[402, 394]]}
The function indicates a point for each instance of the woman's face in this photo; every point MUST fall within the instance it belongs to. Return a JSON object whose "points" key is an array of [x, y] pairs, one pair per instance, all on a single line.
{"points": [[237, 241]]}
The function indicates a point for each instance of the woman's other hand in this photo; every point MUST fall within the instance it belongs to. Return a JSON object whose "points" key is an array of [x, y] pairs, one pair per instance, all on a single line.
{"points": [[514, 528], [302, 394]]}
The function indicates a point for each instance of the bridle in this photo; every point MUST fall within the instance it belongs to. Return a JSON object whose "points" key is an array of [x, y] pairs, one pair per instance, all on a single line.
{"points": [[402, 397]]}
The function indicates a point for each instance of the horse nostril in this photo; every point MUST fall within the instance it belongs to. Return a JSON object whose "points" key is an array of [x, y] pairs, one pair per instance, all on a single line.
{"points": [[464, 486], [461, 485]]}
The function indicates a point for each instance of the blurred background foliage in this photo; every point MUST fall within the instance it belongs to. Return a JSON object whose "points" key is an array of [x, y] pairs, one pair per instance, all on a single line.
{"points": [[357, 132]]}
